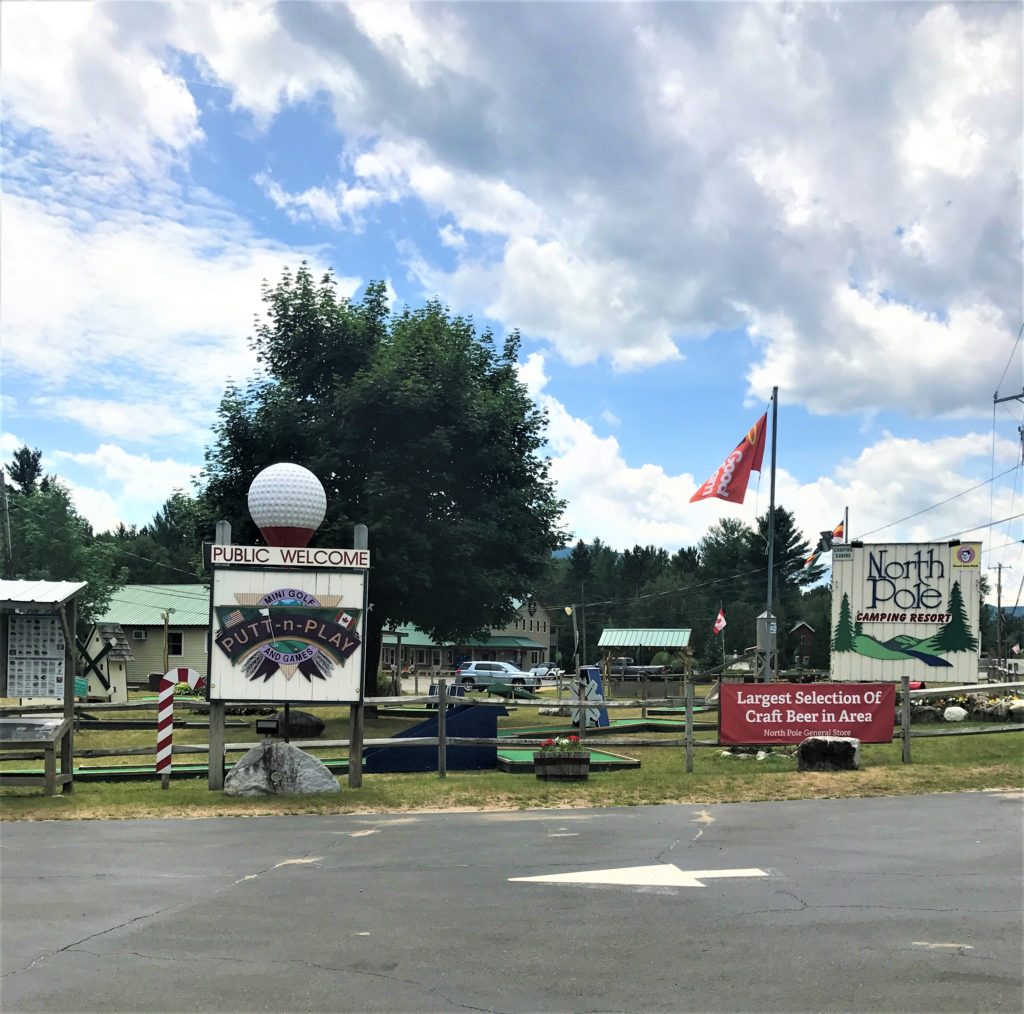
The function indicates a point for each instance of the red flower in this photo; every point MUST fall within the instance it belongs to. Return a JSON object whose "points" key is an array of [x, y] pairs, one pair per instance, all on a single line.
{"points": [[548, 742], [574, 739]]}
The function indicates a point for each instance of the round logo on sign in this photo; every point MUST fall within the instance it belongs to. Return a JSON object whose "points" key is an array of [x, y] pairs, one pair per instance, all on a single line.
{"points": [[966, 554]]}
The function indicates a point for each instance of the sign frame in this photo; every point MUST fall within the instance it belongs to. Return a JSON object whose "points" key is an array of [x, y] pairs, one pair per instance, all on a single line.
{"points": [[906, 609], [775, 721], [216, 554], [314, 677]]}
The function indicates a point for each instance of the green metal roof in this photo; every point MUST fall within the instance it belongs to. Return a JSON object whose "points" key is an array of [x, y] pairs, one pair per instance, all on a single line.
{"points": [[413, 637], [658, 637], [143, 605], [503, 642]]}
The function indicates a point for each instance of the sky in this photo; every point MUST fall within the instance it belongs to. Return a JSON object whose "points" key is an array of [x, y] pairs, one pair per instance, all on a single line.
{"points": [[679, 206]]}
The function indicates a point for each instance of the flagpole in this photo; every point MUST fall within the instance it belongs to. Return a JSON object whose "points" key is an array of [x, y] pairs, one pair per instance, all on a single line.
{"points": [[766, 675], [721, 607], [846, 524]]}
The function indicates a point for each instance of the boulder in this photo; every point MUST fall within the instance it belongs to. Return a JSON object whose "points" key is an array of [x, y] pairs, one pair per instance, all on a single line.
{"points": [[274, 768], [954, 714], [1016, 711], [925, 714], [996, 711], [301, 724], [828, 753]]}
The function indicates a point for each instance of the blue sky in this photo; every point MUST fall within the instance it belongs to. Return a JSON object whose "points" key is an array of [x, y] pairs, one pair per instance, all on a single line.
{"points": [[679, 206]]}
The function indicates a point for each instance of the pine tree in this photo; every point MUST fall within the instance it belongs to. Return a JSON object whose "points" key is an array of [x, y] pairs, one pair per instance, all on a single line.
{"points": [[842, 640], [955, 634]]}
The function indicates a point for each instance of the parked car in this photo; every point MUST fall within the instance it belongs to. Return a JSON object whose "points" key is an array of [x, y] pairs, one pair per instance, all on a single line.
{"points": [[483, 674], [547, 671], [625, 668]]}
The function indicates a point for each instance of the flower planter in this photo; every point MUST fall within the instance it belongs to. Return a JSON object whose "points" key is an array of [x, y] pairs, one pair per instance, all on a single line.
{"points": [[562, 767]]}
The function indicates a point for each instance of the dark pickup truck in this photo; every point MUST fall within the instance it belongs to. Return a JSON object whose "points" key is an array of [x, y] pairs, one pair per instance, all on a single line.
{"points": [[626, 668]]}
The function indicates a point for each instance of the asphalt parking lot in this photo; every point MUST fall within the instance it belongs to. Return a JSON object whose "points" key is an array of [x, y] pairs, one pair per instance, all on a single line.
{"points": [[893, 904]]}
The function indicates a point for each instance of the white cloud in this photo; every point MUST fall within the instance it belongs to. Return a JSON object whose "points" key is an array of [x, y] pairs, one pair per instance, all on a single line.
{"points": [[338, 206], [451, 237], [98, 506], [892, 479], [142, 484], [124, 420], [150, 312], [9, 443], [67, 70], [611, 418], [848, 188], [886, 355]]}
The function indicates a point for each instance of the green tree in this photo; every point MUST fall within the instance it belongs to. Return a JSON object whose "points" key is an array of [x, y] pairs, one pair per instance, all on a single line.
{"points": [[842, 638], [169, 548], [26, 469], [815, 608], [789, 552], [955, 634], [417, 427], [51, 541]]}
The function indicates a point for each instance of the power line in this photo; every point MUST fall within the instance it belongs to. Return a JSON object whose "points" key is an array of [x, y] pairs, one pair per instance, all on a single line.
{"points": [[978, 528], [942, 503], [1009, 360], [125, 552]]}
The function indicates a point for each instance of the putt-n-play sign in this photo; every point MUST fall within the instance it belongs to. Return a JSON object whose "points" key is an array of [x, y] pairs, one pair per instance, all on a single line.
{"points": [[287, 635]]}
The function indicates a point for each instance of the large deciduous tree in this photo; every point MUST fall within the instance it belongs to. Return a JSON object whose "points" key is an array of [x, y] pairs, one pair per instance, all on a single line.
{"points": [[51, 541], [419, 428]]}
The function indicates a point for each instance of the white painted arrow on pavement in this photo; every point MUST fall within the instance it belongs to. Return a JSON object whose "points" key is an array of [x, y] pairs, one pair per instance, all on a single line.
{"points": [[662, 875]]}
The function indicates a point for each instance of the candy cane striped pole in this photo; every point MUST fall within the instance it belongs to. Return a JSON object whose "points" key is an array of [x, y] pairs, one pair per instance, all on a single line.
{"points": [[165, 716]]}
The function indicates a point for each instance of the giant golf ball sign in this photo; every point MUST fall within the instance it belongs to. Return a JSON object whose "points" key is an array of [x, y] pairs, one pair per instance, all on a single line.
{"points": [[288, 504]]}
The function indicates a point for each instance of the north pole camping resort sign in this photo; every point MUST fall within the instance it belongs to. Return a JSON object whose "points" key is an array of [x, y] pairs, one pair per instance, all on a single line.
{"points": [[284, 635], [906, 609]]}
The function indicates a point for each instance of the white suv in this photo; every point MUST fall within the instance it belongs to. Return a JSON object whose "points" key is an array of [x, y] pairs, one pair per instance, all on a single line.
{"points": [[549, 672], [484, 674]]}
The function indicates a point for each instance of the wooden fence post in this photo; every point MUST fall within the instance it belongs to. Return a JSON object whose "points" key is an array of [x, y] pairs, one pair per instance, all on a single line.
{"points": [[581, 692], [905, 718], [357, 710], [442, 721], [689, 727], [215, 758]]}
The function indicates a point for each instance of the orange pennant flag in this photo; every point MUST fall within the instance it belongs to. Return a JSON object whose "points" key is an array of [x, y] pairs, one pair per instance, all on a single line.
{"points": [[730, 479]]}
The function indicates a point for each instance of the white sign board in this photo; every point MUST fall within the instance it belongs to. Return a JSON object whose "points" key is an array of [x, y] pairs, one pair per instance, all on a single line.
{"points": [[287, 636], [218, 555], [906, 609], [35, 655]]}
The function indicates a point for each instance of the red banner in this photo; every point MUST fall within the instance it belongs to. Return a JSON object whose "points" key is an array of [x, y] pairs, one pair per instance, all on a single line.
{"points": [[760, 715], [729, 481]]}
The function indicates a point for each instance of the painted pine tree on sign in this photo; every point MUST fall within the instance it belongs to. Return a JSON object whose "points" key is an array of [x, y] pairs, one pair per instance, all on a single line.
{"points": [[955, 634]]}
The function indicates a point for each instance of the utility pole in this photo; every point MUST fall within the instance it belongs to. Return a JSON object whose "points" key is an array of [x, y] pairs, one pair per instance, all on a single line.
{"points": [[999, 615], [5, 529], [583, 606]]}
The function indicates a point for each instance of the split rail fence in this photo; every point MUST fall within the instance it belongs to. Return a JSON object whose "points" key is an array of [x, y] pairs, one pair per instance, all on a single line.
{"points": [[688, 740]]}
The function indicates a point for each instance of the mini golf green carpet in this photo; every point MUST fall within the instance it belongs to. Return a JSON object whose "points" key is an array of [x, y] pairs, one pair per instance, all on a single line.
{"points": [[518, 762]]}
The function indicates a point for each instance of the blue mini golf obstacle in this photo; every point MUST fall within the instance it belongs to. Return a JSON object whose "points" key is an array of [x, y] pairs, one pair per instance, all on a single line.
{"points": [[461, 720]]}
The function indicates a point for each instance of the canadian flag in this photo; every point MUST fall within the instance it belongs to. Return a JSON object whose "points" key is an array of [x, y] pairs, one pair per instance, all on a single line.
{"points": [[720, 622]]}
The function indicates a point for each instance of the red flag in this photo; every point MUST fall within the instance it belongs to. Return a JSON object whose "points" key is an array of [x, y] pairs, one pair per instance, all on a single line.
{"points": [[729, 482], [720, 622]]}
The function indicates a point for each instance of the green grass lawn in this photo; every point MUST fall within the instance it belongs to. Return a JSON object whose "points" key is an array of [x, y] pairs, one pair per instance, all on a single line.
{"points": [[940, 765]]}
